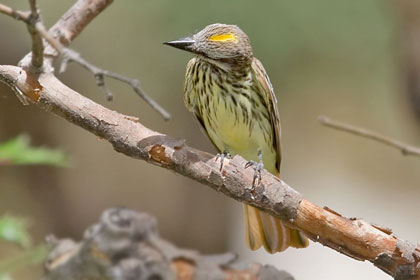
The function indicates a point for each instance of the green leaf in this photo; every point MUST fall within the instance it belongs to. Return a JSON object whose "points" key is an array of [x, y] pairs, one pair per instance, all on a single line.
{"points": [[14, 229], [18, 151]]}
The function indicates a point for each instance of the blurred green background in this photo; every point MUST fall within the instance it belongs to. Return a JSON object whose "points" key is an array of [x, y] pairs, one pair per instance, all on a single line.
{"points": [[334, 57]]}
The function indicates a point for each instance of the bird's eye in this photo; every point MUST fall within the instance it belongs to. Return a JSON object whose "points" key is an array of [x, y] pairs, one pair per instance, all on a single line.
{"points": [[223, 38]]}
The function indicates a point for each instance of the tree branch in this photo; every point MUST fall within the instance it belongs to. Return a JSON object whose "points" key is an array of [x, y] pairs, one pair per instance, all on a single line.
{"points": [[34, 22], [126, 245], [71, 30], [100, 74], [353, 237], [19, 15], [404, 148]]}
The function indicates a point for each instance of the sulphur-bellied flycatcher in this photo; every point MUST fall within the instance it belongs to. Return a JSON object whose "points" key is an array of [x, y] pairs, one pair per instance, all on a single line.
{"points": [[230, 94]]}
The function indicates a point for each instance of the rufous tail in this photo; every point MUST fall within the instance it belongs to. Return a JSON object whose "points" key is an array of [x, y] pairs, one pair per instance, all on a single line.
{"points": [[262, 229]]}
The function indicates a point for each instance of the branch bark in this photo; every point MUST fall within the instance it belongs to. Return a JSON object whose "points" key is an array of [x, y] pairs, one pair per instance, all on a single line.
{"points": [[34, 21], [65, 31], [353, 237]]}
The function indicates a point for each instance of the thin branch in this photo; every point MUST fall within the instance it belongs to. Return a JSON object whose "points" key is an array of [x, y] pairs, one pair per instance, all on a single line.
{"points": [[19, 15], [32, 20], [33, 24], [74, 20], [38, 30], [100, 74], [34, 6], [404, 148], [69, 55]]}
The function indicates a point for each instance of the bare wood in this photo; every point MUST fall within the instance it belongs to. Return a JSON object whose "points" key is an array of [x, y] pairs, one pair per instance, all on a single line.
{"points": [[353, 237], [404, 148], [69, 26], [31, 18], [66, 30], [37, 44], [125, 244], [19, 15], [98, 73]]}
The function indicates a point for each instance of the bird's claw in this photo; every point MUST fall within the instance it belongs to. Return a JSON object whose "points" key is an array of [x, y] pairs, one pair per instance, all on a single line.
{"points": [[258, 167], [222, 157]]}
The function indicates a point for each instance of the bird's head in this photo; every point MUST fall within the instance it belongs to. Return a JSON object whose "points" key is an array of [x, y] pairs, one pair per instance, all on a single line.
{"points": [[217, 41]]}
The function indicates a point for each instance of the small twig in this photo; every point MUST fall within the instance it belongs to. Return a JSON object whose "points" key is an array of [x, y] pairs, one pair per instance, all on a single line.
{"points": [[32, 19], [33, 5], [19, 15], [33, 22], [405, 149], [100, 74], [69, 55]]}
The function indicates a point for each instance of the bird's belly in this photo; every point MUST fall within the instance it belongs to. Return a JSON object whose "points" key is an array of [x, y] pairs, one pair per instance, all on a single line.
{"points": [[236, 137], [231, 133]]}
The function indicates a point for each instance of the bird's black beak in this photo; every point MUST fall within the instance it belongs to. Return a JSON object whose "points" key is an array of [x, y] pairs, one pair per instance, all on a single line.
{"points": [[183, 44]]}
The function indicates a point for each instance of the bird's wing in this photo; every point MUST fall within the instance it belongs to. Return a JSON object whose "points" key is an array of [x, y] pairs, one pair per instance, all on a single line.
{"points": [[269, 97], [189, 97], [189, 93]]}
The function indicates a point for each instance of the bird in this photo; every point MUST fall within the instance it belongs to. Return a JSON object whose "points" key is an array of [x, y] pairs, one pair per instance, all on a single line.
{"points": [[230, 95]]}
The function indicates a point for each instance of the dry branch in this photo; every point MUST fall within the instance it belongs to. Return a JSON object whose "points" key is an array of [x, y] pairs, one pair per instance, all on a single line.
{"points": [[125, 245], [353, 237], [33, 24], [38, 32], [404, 148], [19, 15]]}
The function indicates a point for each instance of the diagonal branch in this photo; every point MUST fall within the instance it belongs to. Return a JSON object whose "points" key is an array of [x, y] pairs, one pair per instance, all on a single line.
{"points": [[353, 237], [100, 74], [404, 148], [19, 15]]}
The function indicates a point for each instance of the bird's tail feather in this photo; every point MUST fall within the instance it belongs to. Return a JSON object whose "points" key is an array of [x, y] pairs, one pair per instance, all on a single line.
{"points": [[262, 229]]}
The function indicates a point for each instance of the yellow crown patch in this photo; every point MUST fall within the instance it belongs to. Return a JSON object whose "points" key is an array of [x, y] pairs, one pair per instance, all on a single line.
{"points": [[224, 38]]}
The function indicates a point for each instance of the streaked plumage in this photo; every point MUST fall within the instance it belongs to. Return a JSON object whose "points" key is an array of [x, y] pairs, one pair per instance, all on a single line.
{"points": [[229, 93]]}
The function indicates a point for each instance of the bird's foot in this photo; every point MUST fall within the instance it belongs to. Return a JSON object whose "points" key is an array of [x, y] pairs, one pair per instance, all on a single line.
{"points": [[258, 167], [222, 157]]}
